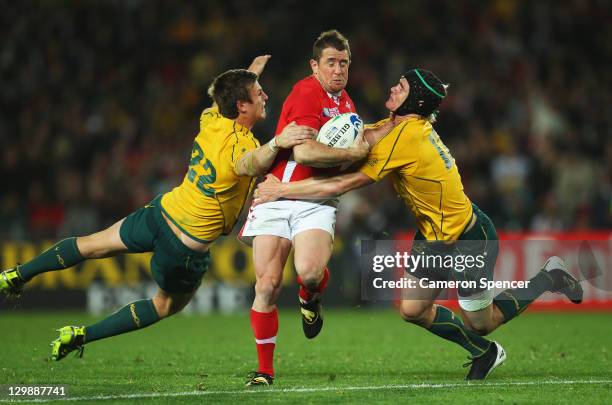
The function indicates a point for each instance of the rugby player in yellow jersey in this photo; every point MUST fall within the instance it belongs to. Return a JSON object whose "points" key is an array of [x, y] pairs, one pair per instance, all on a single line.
{"points": [[424, 174], [179, 226]]}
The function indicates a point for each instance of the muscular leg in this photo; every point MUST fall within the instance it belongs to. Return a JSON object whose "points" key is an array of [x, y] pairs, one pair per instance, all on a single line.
{"points": [[167, 304], [512, 302], [418, 307], [102, 244], [138, 315], [484, 321], [270, 255], [313, 249], [71, 251]]}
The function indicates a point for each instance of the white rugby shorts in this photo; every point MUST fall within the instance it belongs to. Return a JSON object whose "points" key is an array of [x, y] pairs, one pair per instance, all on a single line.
{"points": [[287, 218]]}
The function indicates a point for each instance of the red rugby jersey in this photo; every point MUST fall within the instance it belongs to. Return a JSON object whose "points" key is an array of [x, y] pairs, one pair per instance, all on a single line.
{"points": [[307, 104]]}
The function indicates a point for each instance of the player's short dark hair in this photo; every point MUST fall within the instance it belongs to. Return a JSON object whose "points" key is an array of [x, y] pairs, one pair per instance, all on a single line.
{"points": [[425, 94], [230, 87], [330, 39]]}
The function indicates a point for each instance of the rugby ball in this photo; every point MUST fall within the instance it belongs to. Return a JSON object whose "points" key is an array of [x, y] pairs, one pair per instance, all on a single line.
{"points": [[341, 130]]}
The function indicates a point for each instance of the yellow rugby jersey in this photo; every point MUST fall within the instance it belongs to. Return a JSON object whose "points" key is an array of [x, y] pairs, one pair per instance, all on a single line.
{"points": [[424, 175], [208, 202]]}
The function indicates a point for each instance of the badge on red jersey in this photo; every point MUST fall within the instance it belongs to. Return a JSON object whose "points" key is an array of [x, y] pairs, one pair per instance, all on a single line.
{"points": [[331, 112]]}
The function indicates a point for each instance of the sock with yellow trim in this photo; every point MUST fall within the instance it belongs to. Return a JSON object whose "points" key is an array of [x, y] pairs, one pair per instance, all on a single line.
{"points": [[137, 315], [60, 256], [513, 301], [450, 327]]}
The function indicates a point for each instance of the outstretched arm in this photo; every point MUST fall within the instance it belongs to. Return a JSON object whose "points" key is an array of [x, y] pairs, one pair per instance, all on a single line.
{"points": [[258, 64], [316, 154], [314, 188], [257, 161]]}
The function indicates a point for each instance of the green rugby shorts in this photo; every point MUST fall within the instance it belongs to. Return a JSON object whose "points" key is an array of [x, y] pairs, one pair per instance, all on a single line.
{"points": [[174, 267]]}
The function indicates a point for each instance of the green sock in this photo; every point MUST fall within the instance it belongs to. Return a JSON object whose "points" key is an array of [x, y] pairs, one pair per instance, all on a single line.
{"points": [[60, 256], [513, 301], [137, 315], [450, 327]]}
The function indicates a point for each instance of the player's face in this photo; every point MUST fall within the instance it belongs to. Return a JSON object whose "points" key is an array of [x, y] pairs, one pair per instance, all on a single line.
{"points": [[332, 69], [398, 94], [256, 109]]}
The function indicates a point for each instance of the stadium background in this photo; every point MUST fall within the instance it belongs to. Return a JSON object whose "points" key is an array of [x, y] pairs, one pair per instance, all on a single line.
{"points": [[100, 103]]}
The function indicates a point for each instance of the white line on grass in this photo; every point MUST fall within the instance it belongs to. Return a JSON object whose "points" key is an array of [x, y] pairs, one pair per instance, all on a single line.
{"points": [[302, 390]]}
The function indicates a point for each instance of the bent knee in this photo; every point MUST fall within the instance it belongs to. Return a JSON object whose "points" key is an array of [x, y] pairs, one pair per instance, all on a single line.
{"points": [[310, 273], [166, 307], [414, 312], [162, 307], [311, 281]]}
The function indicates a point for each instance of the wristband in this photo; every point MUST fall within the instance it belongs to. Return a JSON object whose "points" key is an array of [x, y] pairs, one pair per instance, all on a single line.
{"points": [[273, 145]]}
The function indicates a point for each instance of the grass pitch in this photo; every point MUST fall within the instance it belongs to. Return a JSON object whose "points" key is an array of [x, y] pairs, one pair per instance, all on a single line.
{"points": [[360, 356]]}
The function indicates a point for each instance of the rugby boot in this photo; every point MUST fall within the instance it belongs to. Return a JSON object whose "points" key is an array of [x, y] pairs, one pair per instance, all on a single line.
{"points": [[563, 282], [11, 284], [70, 338], [259, 379], [486, 362], [312, 316]]}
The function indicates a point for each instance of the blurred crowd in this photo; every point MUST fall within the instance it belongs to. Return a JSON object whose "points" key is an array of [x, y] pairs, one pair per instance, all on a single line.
{"points": [[100, 101]]}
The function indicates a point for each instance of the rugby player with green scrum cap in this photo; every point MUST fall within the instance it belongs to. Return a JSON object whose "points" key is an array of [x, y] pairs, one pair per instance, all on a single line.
{"points": [[425, 175]]}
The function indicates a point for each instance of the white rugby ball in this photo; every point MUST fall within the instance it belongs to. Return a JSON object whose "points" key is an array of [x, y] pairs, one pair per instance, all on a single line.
{"points": [[341, 131]]}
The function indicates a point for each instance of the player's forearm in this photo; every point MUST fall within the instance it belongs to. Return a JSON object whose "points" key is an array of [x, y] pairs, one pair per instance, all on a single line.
{"points": [[256, 162], [324, 187], [316, 154], [313, 188], [258, 64]]}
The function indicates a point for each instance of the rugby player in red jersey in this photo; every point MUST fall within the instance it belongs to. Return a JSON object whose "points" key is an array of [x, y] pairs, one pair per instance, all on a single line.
{"points": [[307, 226]]}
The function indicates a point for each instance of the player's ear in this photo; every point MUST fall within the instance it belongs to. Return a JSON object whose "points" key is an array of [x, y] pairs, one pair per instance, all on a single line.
{"points": [[314, 65], [241, 106]]}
